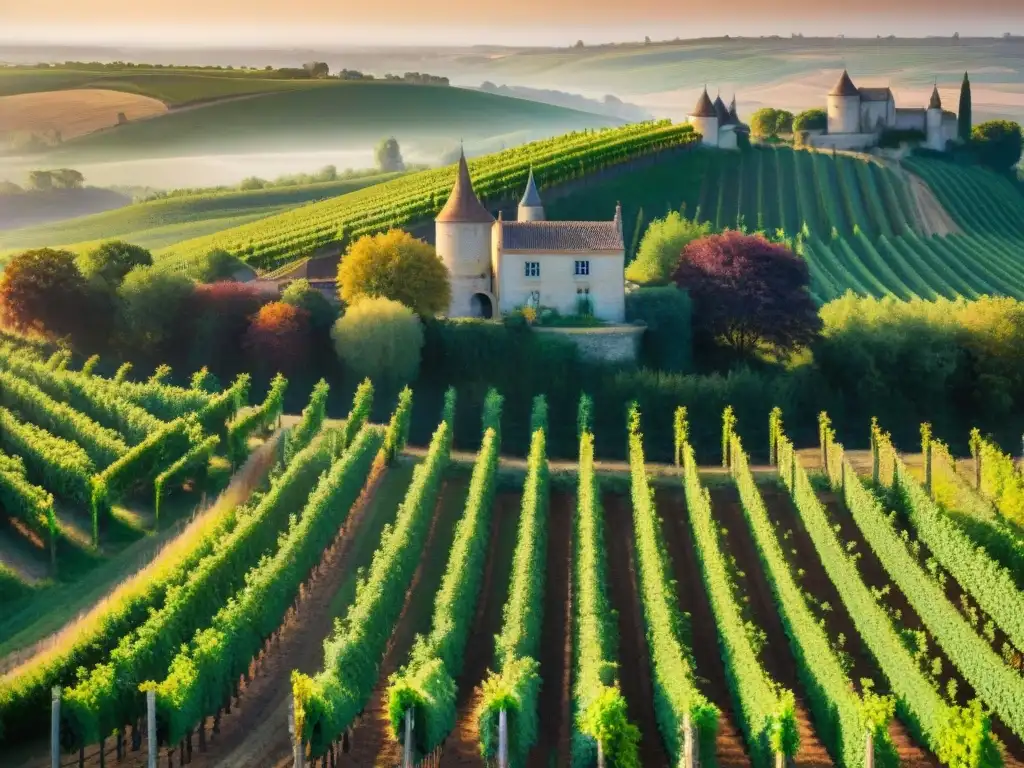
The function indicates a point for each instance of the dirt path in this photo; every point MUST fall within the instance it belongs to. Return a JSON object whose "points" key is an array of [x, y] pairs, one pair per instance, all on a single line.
{"points": [[932, 217], [633, 653], [730, 747], [372, 744], [552, 749], [775, 656], [462, 746], [837, 620]]}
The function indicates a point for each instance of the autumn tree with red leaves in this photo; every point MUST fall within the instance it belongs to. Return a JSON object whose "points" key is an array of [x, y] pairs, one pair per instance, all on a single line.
{"points": [[278, 336], [748, 293], [43, 291]]}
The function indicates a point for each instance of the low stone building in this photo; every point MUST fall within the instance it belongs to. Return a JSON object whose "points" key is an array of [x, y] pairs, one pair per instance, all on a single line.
{"points": [[718, 125]]}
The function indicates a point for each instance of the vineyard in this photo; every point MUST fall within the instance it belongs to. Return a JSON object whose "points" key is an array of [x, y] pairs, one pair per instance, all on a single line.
{"points": [[347, 601]]}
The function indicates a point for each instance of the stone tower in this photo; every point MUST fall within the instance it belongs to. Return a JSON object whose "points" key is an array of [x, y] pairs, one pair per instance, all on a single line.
{"points": [[463, 243], [933, 123], [704, 120], [844, 106], [530, 207]]}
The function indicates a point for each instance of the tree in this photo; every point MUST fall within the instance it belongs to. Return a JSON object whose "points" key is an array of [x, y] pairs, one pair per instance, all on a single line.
{"points": [[322, 314], [10, 188], [317, 69], [395, 265], [40, 180], [964, 116], [217, 265], [278, 336], [43, 291], [152, 306], [748, 292], [381, 339], [811, 120], [389, 155], [661, 248], [114, 259], [998, 144], [67, 178], [769, 121]]}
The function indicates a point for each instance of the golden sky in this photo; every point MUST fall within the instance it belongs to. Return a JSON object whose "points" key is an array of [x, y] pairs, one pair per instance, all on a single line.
{"points": [[478, 21]]}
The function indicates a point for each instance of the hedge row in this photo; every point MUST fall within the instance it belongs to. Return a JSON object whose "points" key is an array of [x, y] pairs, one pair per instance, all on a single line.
{"points": [[515, 683], [195, 464], [310, 422], [1001, 480], [427, 684], [362, 404], [256, 420], [326, 704]]}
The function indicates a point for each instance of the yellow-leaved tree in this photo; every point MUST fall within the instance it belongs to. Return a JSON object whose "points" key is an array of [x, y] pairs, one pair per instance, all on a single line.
{"points": [[395, 265]]}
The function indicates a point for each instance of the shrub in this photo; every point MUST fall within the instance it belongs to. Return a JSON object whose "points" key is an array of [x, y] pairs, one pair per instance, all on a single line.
{"points": [[380, 339], [769, 121], [217, 265], [395, 265], [661, 247], [811, 120], [152, 305], [113, 260], [279, 336], [667, 312], [998, 144], [322, 313]]}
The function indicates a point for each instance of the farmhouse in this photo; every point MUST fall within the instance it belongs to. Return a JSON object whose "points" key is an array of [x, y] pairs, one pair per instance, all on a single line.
{"points": [[857, 117], [718, 125], [497, 265]]}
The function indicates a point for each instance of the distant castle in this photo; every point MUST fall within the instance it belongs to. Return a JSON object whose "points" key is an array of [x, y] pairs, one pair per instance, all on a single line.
{"points": [[857, 117]]}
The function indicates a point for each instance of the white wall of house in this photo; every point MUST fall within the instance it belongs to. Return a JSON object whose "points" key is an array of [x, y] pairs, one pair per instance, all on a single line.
{"points": [[843, 114], [873, 113], [559, 285], [465, 248]]}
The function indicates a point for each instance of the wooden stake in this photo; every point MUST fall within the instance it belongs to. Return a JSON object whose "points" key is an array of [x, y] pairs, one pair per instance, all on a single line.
{"points": [[689, 743], [407, 759], [298, 753], [869, 750], [151, 728], [600, 755], [503, 739], [55, 727]]}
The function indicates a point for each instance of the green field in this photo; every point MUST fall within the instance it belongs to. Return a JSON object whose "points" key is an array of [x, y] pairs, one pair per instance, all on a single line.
{"points": [[159, 223], [174, 87], [332, 114]]}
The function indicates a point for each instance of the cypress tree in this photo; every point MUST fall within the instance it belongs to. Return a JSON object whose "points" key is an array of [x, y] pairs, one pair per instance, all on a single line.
{"points": [[964, 116]]}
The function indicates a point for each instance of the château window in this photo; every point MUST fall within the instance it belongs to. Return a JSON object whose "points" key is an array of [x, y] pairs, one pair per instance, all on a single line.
{"points": [[532, 269], [582, 268]]}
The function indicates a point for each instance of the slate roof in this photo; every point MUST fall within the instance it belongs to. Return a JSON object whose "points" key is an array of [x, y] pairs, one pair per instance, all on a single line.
{"points": [[721, 111], [463, 205], [875, 94], [531, 197], [561, 236], [910, 110], [844, 87], [734, 117], [936, 101], [704, 106]]}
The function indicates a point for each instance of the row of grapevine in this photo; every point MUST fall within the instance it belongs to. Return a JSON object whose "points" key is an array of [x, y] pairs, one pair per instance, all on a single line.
{"points": [[60, 465], [256, 420], [193, 464], [398, 427], [960, 737], [107, 697], [841, 715], [90, 395], [204, 675], [599, 708], [514, 684], [427, 684], [766, 710], [678, 700], [25, 690], [362, 403], [310, 420], [220, 409], [25, 502], [999, 478], [103, 446], [327, 703], [286, 237], [1000, 687], [974, 570]]}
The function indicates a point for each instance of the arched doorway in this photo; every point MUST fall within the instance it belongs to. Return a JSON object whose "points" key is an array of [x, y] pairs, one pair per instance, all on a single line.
{"points": [[481, 306]]}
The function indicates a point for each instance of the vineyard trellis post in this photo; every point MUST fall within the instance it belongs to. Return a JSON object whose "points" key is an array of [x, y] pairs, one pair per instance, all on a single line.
{"points": [[407, 759], [298, 752], [503, 739], [926, 449], [869, 750], [151, 727], [600, 755], [690, 746], [780, 760], [55, 727]]}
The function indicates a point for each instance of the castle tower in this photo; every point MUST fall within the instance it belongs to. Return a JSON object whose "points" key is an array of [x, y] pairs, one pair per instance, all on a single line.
{"points": [[933, 123], [704, 120], [844, 106], [530, 207], [463, 242]]}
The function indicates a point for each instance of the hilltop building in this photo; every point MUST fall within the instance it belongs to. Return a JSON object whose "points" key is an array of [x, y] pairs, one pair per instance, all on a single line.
{"points": [[857, 117], [718, 125], [497, 266]]}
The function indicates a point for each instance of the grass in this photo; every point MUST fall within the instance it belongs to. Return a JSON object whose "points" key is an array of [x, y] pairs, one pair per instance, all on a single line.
{"points": [[332, 113], [160, 223]]}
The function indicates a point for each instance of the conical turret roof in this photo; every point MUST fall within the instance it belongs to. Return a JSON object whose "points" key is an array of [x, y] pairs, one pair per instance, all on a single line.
{"points": [[734, 116], [844, 87], [721, 111], [704, 106], [463, 205], [531, 197], [936, 101]]}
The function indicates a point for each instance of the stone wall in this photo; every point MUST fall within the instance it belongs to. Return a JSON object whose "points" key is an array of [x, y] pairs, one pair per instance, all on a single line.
{"points": [[844, 141], [608, 343]]}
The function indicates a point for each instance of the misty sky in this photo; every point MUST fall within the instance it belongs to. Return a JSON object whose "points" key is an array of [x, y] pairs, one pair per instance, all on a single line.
{"points": [[540, 22]]}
